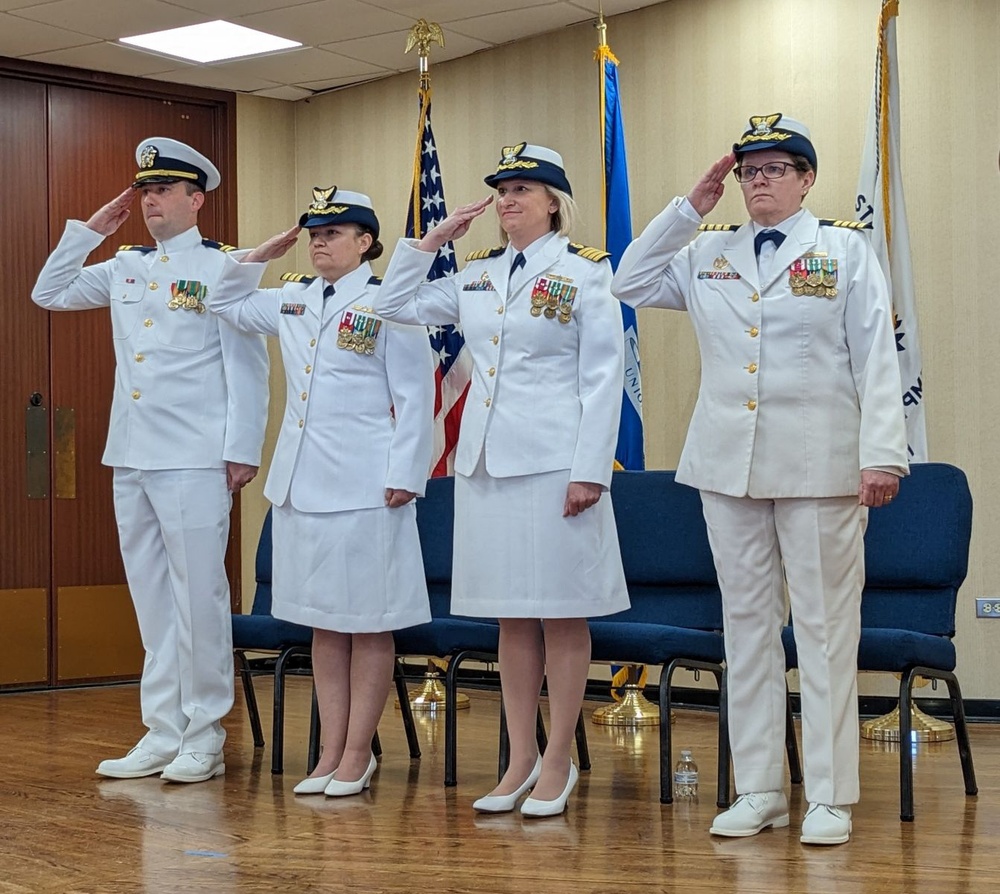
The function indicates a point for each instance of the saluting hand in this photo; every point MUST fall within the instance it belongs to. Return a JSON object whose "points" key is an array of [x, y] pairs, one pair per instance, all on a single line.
{"points": [[396, 497], [275, 247], [705, 194], [580, 495], [109, 218], [455, 225]]}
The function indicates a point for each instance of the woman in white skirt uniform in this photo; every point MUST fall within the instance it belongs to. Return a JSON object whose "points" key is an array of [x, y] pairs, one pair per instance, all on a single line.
{"points": [[535, 537], [353, 452]]}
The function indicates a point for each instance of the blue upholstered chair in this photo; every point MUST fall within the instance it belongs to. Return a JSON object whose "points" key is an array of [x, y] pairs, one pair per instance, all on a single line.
{"points": [[261, 632], [916, 559], [675, 618]]}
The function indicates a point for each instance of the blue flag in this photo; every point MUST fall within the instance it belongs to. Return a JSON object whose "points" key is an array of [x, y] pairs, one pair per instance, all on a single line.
{"points": [[618, 235]]}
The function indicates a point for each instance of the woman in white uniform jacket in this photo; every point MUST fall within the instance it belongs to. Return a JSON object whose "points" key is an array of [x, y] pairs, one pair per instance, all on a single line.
{"points": [[797, 430], [353, 452], [535, 539]]}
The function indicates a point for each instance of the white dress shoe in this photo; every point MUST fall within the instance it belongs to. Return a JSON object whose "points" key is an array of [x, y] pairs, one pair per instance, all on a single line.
{"points": [[534, 807], [506, 803], [336, 788], [824, 824], [194, 766], [138, 762], [752, 813], [313, 785]]}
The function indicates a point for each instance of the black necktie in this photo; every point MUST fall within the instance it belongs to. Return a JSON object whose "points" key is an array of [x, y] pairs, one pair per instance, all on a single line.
{"points": [[775, 236], [328, 291], [518, 262]]}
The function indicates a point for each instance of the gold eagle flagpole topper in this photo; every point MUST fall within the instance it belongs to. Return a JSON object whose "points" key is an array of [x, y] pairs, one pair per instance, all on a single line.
{"points": [[432, 694]]}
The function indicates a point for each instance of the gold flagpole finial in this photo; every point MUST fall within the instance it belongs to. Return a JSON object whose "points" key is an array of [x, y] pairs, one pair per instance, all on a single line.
{"points": [[601, 26], [421, 36]]}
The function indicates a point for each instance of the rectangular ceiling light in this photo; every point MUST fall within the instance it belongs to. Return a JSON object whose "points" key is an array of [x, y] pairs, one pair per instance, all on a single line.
{"points": [[210, 42]]}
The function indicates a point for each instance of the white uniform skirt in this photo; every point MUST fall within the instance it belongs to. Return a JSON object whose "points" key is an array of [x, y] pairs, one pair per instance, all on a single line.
{"points": [[517, 557], [358, 571]]}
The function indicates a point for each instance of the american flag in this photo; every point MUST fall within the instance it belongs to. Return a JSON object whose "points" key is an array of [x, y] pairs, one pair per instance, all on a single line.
{"points": [[454, 366]]}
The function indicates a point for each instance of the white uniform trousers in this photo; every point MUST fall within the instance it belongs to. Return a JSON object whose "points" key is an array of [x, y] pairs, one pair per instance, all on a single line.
{"points": [[820, 545], [173, 526]]}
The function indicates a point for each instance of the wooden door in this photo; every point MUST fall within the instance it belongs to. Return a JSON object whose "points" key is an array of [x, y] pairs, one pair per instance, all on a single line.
{"points": [[24, 390], [71, 151]]}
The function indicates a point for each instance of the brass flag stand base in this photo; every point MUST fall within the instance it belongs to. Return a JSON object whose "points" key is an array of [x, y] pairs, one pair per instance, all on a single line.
{"points": [[633, 710], [431, 695], [924, 727]]}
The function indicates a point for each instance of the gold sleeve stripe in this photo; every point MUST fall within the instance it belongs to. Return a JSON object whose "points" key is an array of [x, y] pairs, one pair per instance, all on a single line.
{"points": [[136, 248], [484, 253], [304, 278], [850, 224], [712, 228]]}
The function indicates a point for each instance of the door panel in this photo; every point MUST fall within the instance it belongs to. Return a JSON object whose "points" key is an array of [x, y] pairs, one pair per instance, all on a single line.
{"points": [[24, 371]]}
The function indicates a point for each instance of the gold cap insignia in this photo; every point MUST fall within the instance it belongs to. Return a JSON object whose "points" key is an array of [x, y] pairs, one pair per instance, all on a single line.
{"points": [[147, 158], [321, 203], [510, 153], [762, 124]]}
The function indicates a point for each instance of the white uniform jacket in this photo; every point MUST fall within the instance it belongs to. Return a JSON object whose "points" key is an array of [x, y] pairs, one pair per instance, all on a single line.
{"points": [[545, 395], [355, 422], [190, 391], [798, 393]]}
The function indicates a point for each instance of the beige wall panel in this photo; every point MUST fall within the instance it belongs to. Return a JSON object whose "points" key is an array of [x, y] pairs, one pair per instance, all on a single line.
{"points": [[692, 72], [268, 204], [24, 619], [96, 634]]}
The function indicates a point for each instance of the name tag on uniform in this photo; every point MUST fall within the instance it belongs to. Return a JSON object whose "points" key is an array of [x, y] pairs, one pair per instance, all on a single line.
{"points": [[296, 310]]}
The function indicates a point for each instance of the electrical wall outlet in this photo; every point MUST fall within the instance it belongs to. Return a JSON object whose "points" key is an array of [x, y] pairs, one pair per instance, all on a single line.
{"points": [[988, 608]]}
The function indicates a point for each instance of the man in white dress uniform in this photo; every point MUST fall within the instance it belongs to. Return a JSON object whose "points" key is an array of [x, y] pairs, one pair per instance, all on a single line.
{"points": [[797, 431], [187, 425]]}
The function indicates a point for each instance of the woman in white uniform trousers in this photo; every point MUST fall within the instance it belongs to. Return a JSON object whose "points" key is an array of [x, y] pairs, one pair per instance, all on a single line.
{"points": [[353, 452], [535, 538], [797, 431]]}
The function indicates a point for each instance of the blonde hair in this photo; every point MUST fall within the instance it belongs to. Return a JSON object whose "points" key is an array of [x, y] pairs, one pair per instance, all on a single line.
{"points": [[563, 219]]}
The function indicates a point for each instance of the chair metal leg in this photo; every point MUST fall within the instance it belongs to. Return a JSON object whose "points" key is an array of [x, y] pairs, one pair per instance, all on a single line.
{"points": [[451, 712], [666, 741], [315, 730], [961, 726], [404, 708], [503, 746], [250, 697], [791, 744], [278, 719], [582, 748], [376, 744], [905, 751], [541, 737]]}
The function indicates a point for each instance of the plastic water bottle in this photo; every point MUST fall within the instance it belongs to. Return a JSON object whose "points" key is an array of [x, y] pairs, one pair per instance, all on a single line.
{"points": [[686, 777]]}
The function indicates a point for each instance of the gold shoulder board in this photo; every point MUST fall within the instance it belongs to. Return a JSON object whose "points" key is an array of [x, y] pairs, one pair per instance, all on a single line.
{"points": [[850, 224], [588, 252], [221, 246], [484, 253], [375, 280], [304, 278], [712, 228], [143, 248]]}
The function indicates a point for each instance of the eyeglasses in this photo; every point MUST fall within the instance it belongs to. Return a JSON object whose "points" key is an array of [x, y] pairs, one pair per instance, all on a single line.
{"points": [[771, 171]]}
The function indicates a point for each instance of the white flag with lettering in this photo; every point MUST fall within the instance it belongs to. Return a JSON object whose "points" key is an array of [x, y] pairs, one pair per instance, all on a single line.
{"points": [[880, 201]]}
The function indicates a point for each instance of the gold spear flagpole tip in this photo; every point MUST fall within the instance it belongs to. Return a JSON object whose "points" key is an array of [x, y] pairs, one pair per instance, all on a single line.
{"points": [[422, 35]]}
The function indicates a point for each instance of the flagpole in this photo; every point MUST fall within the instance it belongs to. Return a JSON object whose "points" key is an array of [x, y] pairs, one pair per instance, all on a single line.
{"points": [[432, 695], [631, 708]]}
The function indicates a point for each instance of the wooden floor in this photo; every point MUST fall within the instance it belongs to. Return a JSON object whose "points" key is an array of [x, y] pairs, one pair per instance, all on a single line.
{"points": [[63, 829]]}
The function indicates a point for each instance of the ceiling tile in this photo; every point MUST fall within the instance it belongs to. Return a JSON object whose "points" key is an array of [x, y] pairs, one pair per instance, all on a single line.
{"points": [[93, 56], [296, 66], [502, 27], [387, 50], [232, 9], [448, 10], [326, 21], [217, 79], [334, 83], [289, 93], [111, 19], [613, 7], [21, 37]]}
